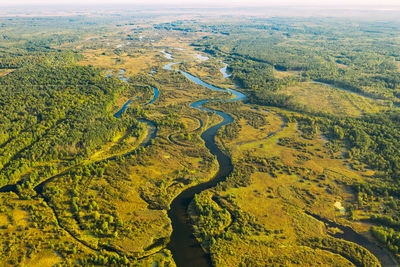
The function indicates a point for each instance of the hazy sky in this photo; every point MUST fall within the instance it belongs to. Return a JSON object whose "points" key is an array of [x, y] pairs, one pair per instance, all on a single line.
{"points": [[211, 2]]}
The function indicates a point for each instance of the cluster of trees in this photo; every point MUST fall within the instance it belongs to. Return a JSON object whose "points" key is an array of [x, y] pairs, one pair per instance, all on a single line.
{"points": [[252, 75], [388, 237], [273, 166], [171, 120], [383, 190], [385, 220], [217, 219], [380, 201], [211, 219], [106, 259], [230, 131], [373, 140], [8, 61], [355, 253]]}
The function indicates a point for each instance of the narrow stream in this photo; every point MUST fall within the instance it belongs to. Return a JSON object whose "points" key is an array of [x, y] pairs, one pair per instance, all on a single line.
{"points": [[151, 127], [125, 106], [156, 93], [349, 234], [223, 70], [121, 76]]}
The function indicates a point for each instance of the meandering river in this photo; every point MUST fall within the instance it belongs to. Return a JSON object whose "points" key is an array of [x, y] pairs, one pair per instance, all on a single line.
{"points": [[183, 245], [125, 106], [185, 249]]}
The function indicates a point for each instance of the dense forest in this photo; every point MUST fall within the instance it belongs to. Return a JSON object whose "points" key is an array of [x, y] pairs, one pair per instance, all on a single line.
{"points": [[54, 110]]}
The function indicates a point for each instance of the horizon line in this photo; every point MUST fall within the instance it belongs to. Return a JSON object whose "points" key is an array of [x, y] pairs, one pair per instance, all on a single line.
{"points": [[200, 5]]}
